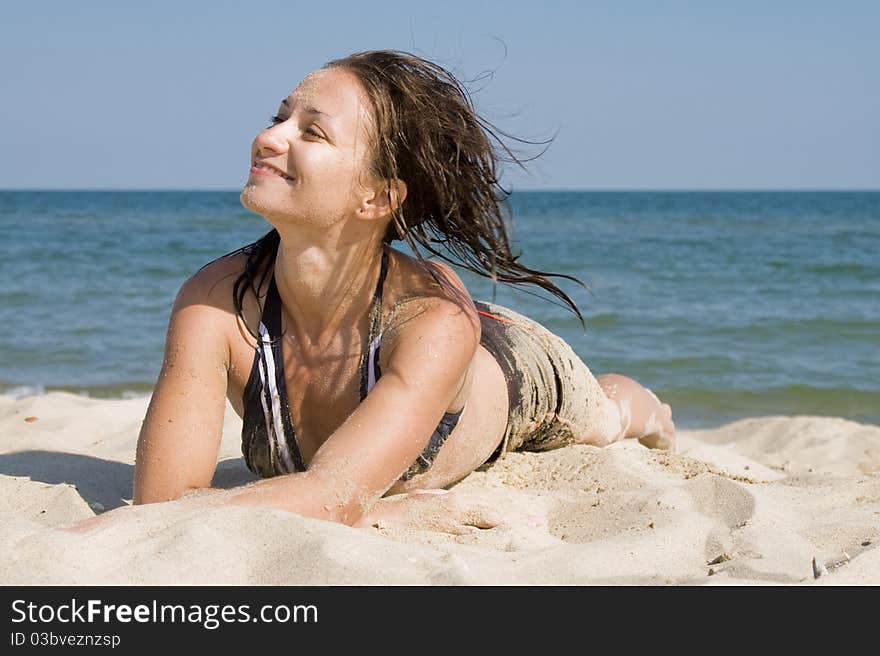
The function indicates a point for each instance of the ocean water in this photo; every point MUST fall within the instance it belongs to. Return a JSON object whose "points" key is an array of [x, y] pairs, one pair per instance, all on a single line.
{"points": [[726, 304]]}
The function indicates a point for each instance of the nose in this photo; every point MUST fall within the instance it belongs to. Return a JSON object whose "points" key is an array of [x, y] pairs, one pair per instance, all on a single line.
{"points": [[271, 139]]}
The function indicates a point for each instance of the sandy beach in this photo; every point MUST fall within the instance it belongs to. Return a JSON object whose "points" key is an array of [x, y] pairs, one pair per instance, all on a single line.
{"points": [[751, 502]]}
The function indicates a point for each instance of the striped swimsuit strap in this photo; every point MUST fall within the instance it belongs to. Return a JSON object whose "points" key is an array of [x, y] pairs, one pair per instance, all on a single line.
{"points": [[268, 382], [267, 408], [369, 363]]}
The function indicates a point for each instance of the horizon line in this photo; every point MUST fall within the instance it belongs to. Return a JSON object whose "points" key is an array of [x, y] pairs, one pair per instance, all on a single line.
{"points": [[560, 190]]}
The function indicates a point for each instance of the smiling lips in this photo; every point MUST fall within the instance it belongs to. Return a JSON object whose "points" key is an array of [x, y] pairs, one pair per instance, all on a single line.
{"points": [[261, 168]]}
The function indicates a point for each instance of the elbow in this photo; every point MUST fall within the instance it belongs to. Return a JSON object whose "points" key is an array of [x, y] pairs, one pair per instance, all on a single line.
{"points": [[145, 493], [142, 498], [156, 483]]}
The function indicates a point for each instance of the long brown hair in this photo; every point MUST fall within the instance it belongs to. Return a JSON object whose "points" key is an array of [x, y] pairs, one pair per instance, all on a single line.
{"points": [[427, 133]]}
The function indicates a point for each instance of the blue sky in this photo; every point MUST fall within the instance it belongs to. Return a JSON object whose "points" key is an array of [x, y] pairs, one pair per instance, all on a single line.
{"points": [[644, 95]]}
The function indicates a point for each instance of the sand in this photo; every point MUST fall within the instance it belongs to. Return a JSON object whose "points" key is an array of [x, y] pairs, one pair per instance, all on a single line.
{"points": [[751, 502]]}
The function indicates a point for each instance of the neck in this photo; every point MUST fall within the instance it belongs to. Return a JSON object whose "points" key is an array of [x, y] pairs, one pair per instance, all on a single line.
{"points": [[324, 286]]}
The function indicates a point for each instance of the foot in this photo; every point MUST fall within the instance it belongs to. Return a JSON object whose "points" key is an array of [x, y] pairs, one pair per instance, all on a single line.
{"points": [[642, 415], [659, 432]]}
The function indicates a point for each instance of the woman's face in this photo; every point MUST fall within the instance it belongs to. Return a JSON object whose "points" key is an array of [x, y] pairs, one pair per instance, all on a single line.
{"points": [[319, 141]]}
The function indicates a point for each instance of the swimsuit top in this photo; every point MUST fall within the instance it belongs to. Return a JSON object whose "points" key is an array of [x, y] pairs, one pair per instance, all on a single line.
{"points": [[268, 440]]}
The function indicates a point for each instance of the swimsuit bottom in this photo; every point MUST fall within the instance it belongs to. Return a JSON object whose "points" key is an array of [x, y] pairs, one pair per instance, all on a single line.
{"points": [[553, 397]]}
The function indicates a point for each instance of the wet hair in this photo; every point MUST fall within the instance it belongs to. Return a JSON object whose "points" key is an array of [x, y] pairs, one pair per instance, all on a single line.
{"points": [[427, 133]]}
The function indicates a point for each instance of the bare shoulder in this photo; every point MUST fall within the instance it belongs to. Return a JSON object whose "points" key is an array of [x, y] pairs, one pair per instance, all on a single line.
{"points": [[213, 284], [420, 297], [204, 315]]}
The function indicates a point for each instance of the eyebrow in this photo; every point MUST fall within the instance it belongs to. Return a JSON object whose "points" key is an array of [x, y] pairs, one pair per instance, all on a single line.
{"points": [[308, 110]]}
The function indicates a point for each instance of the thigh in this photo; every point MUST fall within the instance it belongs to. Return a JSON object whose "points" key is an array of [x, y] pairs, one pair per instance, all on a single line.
{"points": [[554, 397], [583, 413]]}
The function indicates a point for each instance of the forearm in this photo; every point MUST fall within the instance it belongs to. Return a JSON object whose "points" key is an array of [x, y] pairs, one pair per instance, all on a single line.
{"points": [[302, 493]]}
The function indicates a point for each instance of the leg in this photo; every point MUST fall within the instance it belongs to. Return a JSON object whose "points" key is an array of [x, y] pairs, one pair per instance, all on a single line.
{"points": [[642, 415], [579, 407]]}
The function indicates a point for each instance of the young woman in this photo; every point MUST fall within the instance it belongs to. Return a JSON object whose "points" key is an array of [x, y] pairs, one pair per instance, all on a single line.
{"points": [[361, 372]]}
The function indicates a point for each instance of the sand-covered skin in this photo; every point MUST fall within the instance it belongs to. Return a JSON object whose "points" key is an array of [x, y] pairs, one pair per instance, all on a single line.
{"points": [[752, 502]]}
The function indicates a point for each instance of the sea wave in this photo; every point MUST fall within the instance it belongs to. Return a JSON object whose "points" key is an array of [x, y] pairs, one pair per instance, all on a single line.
{"points": [[128, 390]]}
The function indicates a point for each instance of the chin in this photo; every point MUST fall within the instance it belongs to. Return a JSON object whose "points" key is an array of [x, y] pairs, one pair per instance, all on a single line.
{"points": [[257, 196], [280, 209], [247, 195], [277, 209], [266, 204]]}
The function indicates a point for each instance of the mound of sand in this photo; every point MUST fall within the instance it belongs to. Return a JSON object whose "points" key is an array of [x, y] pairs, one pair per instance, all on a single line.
{"points": [[754, 501]]}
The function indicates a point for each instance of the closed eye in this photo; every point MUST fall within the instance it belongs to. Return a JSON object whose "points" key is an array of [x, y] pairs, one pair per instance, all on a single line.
{"points": [[277, 119]]}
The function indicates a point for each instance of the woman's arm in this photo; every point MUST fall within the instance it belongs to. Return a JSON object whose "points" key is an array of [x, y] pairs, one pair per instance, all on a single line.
{"points": [[180, 437], [378, 442]]}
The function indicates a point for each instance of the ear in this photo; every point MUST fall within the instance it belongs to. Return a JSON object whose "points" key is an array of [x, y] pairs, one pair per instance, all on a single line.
{"points": [[384, 197]]}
